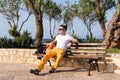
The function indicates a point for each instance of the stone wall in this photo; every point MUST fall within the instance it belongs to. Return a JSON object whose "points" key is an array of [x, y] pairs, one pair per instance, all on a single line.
{"points": [[17, 56], [25, 56]]}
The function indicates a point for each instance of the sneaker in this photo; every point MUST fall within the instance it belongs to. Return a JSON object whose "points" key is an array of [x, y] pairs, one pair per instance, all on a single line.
{"points": [[34, 71], [52, 70]]}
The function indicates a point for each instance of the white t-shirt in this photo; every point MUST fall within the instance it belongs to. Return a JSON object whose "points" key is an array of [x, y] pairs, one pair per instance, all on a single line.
{"points": [[63, 41]]}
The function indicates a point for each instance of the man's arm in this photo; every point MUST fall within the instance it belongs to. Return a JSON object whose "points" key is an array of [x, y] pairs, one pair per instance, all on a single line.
{"points": [[72, 41], [75, 40], [52, 43]]}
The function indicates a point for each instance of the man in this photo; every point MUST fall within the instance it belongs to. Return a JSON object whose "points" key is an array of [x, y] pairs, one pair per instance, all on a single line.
{"points": [[62, 41]]}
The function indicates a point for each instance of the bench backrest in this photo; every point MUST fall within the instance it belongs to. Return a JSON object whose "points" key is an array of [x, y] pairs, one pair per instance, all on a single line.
{"points": [[89, 48]]}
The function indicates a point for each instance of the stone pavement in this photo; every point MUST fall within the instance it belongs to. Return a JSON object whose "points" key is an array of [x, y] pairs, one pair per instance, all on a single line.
{"points": [[9, 71]]}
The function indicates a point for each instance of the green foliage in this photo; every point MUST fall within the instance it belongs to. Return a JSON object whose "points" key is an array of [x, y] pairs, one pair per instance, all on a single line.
{"points": [[86, 7], [113, 50], [53, 12], [118, 46], [5, 43], [118, 1], [38, 4], [11, 8], [24, 41], [13, 32], [85, 11], [92, 39], [50, 40], [79, 39], [68, 14], [104, 6]]}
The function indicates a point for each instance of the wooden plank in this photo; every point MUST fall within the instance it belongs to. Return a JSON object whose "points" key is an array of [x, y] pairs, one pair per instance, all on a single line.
{"points": [[85, 51], [100, 48], [93, 44], [39, 55], [85, 56], [98, 44]]}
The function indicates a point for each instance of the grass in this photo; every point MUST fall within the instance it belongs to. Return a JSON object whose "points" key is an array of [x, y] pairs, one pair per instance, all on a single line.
{"points": [[113, 50]]}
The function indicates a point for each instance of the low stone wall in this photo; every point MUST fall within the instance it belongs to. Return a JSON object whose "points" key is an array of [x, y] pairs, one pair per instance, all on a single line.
{"points": [[25, 56], [116, 61], [17, 56]]}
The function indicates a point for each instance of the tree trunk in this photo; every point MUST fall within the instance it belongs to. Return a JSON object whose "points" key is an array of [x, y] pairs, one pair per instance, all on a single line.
{"points": [[38, 18], [51, 35], [112, 37], [39, 30], [103, 29], [100, 20]]}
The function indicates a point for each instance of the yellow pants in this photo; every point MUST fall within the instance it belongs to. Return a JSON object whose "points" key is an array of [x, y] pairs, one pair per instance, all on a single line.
{"points": [[59, 53]]}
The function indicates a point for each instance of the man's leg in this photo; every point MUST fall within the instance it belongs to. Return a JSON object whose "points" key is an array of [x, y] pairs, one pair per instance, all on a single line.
{"points": [[45, 58], [60, 54], [41, 64]]}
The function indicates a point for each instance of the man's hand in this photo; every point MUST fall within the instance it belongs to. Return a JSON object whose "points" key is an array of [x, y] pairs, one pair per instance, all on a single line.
{"points": [[69, 45]]}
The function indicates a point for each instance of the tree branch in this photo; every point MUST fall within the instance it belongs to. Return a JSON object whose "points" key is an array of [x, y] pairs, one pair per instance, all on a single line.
{"points": [[24, 21], [31, 6]]}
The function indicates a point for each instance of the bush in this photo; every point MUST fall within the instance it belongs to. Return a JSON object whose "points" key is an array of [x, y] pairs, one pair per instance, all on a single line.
{"points": [[92, 39], [13, 32], [118, 46], [48, 40], [24, 41], [76, 37], [5, 43]]}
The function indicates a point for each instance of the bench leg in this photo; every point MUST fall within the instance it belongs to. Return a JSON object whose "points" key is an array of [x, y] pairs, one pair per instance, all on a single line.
{"points": [[96, 62], [93, 65], [90, 63], [89, 71]]}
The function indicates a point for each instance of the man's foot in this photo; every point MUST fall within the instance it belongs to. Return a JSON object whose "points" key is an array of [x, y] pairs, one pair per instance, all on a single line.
{"points": [[52, 70], [34, 71]]}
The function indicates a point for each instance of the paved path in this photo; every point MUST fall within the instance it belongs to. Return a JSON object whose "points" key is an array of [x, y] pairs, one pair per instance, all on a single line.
{"points": [[21, 72]]}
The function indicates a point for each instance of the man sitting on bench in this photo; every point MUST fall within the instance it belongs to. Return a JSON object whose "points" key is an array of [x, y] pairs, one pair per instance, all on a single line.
{"points": [[62, 41]]}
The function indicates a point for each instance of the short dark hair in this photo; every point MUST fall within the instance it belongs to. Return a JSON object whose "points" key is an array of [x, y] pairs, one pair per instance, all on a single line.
{"points": [[64, 26]]}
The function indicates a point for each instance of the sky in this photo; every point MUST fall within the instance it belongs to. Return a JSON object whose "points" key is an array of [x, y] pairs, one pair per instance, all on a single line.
{"points": [[30, 26]]}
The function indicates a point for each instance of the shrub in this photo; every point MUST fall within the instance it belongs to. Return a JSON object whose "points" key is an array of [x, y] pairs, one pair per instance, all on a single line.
{"points": [[13, 32], [24, 41], [118, 46], [5, 43], [92, 39], [48, 40], [79, 39]]}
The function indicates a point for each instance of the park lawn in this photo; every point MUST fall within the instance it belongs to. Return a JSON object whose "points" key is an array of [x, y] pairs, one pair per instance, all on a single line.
{"points": [[113, 50]]}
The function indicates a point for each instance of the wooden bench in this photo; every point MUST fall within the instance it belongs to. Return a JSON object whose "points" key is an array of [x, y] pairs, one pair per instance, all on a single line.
{"points": [[93, 52]]}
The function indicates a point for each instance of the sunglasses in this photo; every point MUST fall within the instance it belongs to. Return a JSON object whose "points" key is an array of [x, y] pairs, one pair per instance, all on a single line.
{"points": [[60, 29]]}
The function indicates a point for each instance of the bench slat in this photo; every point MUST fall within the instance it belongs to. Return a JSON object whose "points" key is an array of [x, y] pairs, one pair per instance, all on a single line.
{"points": [[85, 56], [85, 51], [91, 44], [101, 48], [39, 54]]}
